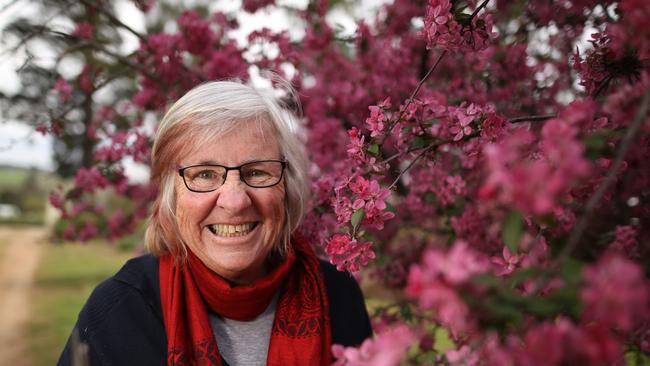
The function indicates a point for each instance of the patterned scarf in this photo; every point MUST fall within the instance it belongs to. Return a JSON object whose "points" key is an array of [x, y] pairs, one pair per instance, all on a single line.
{"points": [[301, 332]]}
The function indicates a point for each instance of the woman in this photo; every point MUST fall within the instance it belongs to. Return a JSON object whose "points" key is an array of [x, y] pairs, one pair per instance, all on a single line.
{"points": [[226, 282]]}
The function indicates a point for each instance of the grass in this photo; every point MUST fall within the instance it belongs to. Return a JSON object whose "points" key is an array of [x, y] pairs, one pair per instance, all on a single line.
{"points": [[66, 276], [12, 177]]}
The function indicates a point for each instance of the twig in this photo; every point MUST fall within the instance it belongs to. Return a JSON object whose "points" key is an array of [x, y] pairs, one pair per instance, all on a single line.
{"points": [[113, 19], [478, 9], [420, 155], [413, 95], [542, 117], [581, 225], [126, 62], [432, 146], [8, 5]]}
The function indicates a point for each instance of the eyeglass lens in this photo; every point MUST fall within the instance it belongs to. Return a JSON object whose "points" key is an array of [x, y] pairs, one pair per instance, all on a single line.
{"points": [[255, 174]]}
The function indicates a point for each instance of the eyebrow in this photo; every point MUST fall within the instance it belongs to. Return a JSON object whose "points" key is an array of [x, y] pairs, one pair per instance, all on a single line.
{"points": [[212, 162]]}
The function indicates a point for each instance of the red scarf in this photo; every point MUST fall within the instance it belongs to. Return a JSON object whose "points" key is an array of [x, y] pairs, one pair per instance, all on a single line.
{"points": [[301, 332]]}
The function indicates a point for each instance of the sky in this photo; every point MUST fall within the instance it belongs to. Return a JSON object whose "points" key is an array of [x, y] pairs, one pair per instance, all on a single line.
{"points": [[21, 146]]}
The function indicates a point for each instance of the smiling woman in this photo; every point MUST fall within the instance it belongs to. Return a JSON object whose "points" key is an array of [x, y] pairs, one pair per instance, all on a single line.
{"points": [[227, 281]]}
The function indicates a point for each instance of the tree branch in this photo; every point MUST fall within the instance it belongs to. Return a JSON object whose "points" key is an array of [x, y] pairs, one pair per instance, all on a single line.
{"points": [[113, 18], [542, 117], [475, 13], [425, 149], [413, 95]]}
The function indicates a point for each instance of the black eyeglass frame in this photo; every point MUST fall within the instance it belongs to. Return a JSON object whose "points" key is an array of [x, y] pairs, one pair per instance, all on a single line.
{"points": [[284, 164]]}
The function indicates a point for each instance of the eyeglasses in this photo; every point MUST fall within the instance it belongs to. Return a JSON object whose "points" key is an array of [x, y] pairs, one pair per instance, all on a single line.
{"points": [[256, 174]]}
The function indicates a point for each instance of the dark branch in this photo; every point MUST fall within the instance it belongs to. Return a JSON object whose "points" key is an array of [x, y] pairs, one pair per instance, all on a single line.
{"points": [[543, 117]]}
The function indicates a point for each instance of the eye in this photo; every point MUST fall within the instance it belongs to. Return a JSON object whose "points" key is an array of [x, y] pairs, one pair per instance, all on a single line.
{"points": [[255, 173], [206, 174]]}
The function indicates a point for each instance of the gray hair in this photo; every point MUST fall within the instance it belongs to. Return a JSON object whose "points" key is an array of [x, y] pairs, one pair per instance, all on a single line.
{"points": [[206, 112]]}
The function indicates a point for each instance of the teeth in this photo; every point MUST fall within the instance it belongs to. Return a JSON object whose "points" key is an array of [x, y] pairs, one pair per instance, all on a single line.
{"points": [[231, 230]]}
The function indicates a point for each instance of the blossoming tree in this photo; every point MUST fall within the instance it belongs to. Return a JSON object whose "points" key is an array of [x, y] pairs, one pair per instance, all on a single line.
{"points": [[484, 160]]}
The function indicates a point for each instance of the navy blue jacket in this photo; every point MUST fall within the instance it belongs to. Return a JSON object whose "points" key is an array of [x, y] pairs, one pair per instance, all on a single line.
{"points": [[122, 321]]}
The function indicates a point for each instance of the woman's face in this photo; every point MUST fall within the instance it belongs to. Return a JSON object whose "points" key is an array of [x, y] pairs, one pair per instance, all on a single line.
{"points": [[256, 214]]}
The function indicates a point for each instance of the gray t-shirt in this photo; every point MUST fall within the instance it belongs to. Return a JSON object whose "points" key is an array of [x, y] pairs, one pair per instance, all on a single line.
{"points": [[244, 343]]}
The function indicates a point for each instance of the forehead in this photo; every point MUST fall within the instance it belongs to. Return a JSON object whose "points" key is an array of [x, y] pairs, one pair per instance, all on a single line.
{"points": [[244, 141]]}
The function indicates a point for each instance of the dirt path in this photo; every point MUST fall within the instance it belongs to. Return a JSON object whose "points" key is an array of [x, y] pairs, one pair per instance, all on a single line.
{"points": [[19, 256]]}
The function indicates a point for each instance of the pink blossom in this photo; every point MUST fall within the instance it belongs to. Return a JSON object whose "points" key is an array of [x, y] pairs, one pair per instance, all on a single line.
{"points": [[119, 224], [534, 181], [196, 31], [386, 349], [442, 30], [85, 30], [348, 254], [626, 242], [376, 121], [56, 200], [252, 6], [87, 79], [506, 264], [144, 5], [615, 293], [226, 62], [354, 194], [69, 232], [63, 89], [562, 342], [88, 231], [90, 179], [462, 119], [434, 282]]}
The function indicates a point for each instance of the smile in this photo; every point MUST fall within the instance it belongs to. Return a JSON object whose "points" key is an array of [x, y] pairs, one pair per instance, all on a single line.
{"points": [[230, 231]]}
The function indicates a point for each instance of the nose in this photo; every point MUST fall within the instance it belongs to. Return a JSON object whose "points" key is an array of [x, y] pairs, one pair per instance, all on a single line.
{"points": [[233, 194]]}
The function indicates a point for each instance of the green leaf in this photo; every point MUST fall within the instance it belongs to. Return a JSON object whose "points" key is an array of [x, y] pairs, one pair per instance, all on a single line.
{"points": [[521, 275], [485, 279], [374, 149], [430, 197], [418, 142], [357, 216], [596, 144], [512, 230], [572, 271], [405, 311]]}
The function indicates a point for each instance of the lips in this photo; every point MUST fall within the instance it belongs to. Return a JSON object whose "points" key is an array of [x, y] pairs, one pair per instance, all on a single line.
{"points": [[229, 231]]}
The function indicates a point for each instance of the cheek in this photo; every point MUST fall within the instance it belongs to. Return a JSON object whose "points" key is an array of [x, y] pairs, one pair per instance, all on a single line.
{"points": [[189, 213], [273, 208]]}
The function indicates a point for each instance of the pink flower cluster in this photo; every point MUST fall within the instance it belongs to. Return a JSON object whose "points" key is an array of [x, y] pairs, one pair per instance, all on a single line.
{"points": [[616, 293], [626, 241], [378, 119], [564, 343], [85, 30], [358, 193], [196, 32], [347, 254], [134, 144], [252, 6], [535, 180], [64, 89], [462, 118], [90, 179], [435, 282], [387, 348], [443, 30]]}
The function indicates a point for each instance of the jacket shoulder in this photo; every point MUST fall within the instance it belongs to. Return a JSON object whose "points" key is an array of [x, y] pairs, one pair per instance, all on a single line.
{"points": [[349, 317], [122, 318]]}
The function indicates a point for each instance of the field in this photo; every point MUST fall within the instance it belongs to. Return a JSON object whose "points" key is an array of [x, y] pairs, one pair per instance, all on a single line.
{"points": [[66, 276], [27, 190]]}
